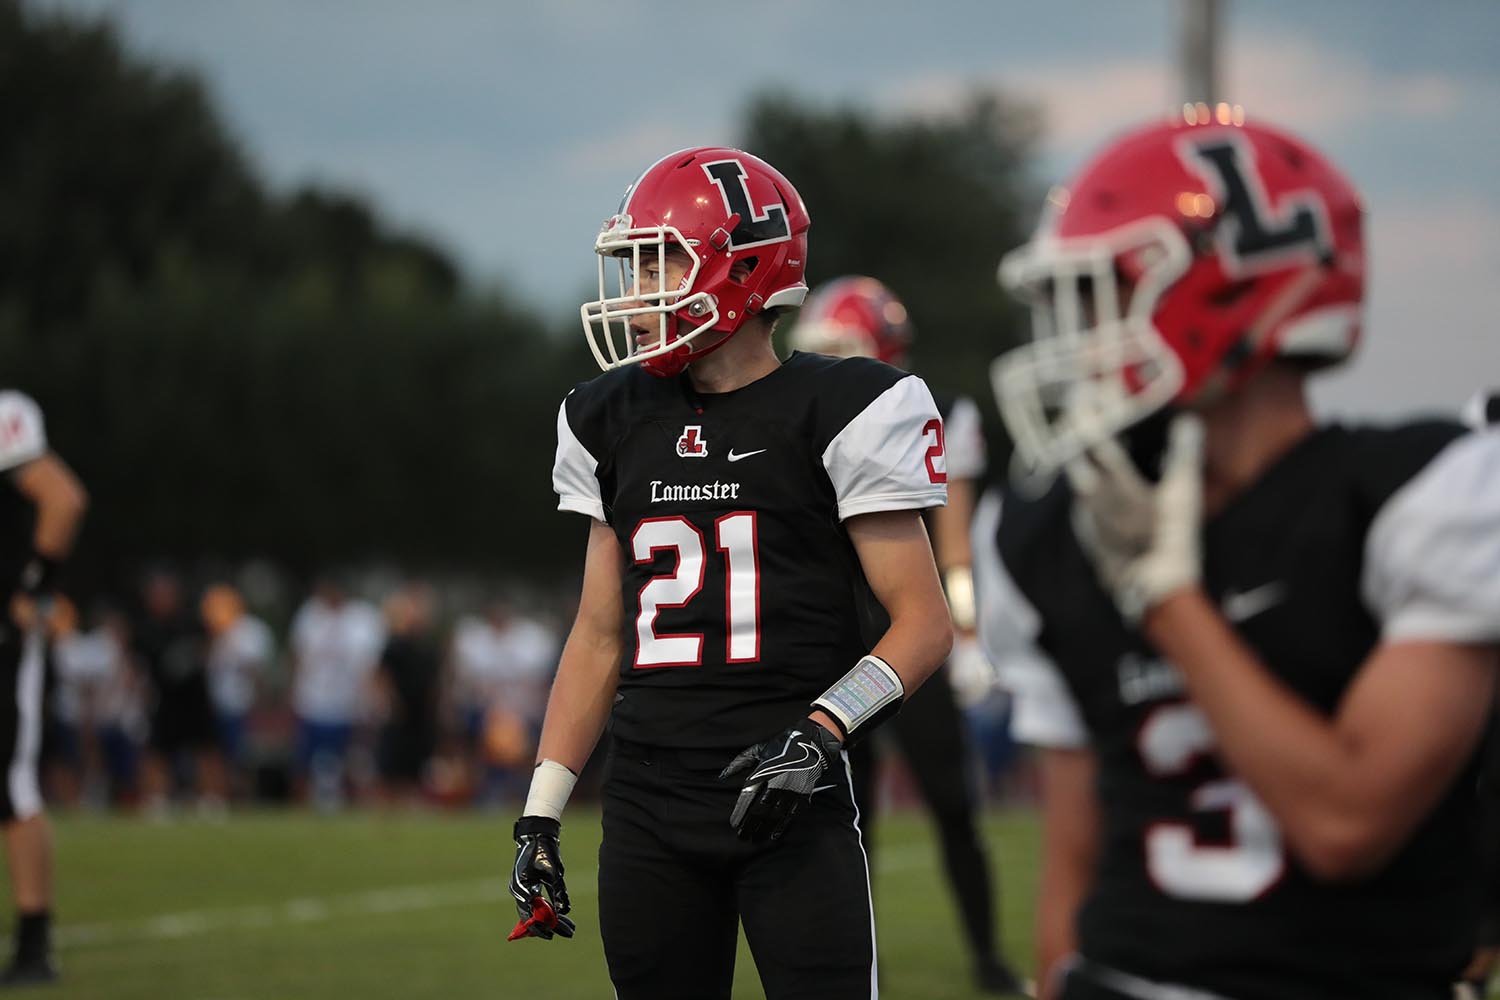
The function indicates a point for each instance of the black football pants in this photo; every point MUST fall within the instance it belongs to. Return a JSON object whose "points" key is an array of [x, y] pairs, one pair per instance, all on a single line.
{"points": [[930, 733], [675, 883]]}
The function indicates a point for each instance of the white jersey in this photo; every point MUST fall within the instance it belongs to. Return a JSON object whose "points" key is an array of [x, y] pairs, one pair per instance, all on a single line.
{"points": [[236, 658], [336, 650], [509, 666]]}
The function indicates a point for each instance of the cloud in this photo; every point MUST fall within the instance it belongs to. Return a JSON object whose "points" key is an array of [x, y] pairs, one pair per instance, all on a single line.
{"points": [[1434, 287], [1292, 79], [628, 150], [1279, 77]]}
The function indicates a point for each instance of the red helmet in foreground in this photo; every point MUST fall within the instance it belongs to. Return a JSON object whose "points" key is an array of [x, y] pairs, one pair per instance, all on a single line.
{"points": [[743, 227], [1180, 262]]}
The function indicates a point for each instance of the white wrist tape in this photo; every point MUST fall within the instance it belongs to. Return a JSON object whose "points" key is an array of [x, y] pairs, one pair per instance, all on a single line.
{"points": [[871, 689], [958, 586], [551, 784]]}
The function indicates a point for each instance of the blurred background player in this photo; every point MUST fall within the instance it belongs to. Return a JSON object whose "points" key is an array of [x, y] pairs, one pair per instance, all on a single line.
{"points": [[41, 508], [170, 645], [500, 664], [409, 676], [859, 317], [335, 645], [738, 507], [1324, 596], [99, 710], [241, 652]]}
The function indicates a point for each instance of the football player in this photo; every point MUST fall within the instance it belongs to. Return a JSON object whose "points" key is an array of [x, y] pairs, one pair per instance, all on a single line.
{"points": [[746, 515], [859, 317], [41, 508], [1264, 648]]}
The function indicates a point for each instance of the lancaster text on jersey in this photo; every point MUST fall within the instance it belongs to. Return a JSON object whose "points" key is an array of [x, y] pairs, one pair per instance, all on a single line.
{"points": [[716, 490]]}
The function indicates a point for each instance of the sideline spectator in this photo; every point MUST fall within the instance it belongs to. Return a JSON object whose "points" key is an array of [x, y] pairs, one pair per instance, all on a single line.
{"points": [[240, 652], [502, 665], [171, 648], [410, 671], [334, 643]]}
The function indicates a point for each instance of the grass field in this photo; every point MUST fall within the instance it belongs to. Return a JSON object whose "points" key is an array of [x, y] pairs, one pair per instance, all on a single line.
{"points": [[282, 906]]}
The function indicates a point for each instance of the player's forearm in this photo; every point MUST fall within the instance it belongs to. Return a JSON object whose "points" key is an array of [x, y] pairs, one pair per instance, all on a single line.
{"points": [[1342, 813], [60, 501], [950, 526], [582, 694], [918, 641], [1289, 754]]}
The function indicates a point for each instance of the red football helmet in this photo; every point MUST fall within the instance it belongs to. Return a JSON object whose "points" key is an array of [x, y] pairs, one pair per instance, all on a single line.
{"points": [[854, 317], [1179, 263], [725, 208]]}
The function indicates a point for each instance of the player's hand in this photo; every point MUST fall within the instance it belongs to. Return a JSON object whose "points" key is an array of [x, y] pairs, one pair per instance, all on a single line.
{"points": [[1141, 536], [536, 881], [780, 775], [970, 672]]}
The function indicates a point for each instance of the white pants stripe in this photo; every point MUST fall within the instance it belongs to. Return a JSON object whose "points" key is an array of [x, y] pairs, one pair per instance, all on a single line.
{"points": [[21, 779], [859, 833]]}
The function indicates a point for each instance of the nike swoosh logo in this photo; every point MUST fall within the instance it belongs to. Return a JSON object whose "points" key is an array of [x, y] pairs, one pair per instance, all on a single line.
{"points": [[810, 759], [1239, 607], [735, 458]]}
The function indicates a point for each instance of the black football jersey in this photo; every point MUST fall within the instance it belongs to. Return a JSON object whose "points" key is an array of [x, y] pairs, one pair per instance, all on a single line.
{"points": [[22, 440], [743, 595], [1354, 536]]}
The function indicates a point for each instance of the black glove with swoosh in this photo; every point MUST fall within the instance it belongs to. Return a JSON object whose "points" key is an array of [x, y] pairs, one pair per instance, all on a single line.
{"points": [[536, 881], [783, 773]]}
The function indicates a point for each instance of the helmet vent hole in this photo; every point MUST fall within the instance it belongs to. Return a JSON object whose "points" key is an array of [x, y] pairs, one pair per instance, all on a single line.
{"points": [[1231, 293], [1239, 353], [740, 272]]}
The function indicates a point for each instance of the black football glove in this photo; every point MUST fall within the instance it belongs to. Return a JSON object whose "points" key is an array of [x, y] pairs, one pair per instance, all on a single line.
{"points": [[539, 870], [783, 773]]}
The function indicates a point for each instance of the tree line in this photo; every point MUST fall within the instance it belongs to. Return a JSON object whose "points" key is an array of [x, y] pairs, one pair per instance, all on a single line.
{"points": [[238, 372]]}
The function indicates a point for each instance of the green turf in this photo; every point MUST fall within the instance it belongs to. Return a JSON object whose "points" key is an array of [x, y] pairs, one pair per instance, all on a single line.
{"points": [[288, 906]]}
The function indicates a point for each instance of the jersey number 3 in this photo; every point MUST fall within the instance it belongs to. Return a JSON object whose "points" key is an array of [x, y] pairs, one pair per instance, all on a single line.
{"points": [[734, 536], [1171, 739]]}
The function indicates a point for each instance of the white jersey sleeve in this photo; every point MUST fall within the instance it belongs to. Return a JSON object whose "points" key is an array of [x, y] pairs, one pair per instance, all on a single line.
{"points": [[22, 437], [890, 456], [963, 439], [1432, 555], [1043, 711], [573, 469]]}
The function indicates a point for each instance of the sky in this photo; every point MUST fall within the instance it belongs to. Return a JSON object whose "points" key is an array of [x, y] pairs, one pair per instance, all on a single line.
{"points": [[506, 131]]}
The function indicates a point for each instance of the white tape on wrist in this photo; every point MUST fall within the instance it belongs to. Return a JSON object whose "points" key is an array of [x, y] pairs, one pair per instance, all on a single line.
{"points": [[551, 784], [862, 694], [958, 587]]}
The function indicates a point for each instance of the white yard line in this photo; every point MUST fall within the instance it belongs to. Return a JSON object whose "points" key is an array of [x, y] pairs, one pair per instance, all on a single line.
{"points": [[373, 902]]}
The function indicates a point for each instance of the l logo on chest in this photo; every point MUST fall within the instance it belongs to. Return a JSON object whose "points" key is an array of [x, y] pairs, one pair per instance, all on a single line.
{"points": [[692, 443]]}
